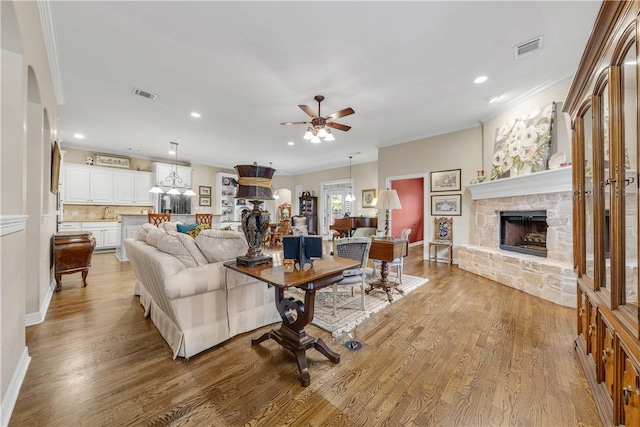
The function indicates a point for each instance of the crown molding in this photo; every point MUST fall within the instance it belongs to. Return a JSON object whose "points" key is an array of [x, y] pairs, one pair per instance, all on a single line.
{"points": [[48, 30]]}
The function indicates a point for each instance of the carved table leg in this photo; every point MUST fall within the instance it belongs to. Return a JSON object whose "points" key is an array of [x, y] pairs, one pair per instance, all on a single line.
{"points": [[385, 283], [292, 335]]}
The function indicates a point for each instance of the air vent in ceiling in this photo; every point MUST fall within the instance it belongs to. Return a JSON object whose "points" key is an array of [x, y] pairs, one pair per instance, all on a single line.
{"points": [[144, 93], [528, 47]]}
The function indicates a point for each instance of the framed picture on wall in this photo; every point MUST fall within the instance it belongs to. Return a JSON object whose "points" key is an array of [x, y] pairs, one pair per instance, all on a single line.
{"points": [[369, 198], [446, 205], [205, 200], [448, 180], [112, 161], [204, 191]]}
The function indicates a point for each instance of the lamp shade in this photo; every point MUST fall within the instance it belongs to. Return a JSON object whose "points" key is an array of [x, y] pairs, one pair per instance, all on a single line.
{"points": [[388, 199], [254, 182]]}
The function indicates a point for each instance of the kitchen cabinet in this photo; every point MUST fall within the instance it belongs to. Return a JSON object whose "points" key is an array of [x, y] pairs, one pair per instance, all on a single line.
{"points": [[132, 188], [87, 184], [106, 233], [163, 170], [106, 186]]}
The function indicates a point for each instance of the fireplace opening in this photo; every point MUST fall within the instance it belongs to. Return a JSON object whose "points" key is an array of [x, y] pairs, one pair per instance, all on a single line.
{"points": [[524, 232]]}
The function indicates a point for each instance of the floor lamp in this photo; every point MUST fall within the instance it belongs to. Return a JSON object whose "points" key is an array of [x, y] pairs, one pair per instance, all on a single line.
{"points": [[388, 199]]}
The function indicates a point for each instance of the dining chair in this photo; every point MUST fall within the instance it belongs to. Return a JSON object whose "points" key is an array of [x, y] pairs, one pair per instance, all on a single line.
{"points": [[356, 248], [202, 218], [398, 263], [157, 219]]}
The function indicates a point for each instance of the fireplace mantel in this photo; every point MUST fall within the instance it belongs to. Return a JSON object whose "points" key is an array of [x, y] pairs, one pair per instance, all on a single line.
{"points": [[549, 181]]}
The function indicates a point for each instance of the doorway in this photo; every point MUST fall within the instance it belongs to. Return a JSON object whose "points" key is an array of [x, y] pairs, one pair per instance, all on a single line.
{"points": [[412, 191], [334, 203]]}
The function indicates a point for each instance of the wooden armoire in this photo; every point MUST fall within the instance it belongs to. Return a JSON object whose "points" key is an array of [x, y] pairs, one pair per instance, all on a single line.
{"points": [[603, 104]]}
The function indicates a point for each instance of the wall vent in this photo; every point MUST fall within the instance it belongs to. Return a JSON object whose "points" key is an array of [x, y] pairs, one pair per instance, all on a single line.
{"points": [[144, 93], [528, 47]]}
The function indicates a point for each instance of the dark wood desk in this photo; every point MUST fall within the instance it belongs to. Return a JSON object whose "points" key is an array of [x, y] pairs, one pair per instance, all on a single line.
{"points": [[291, 334], [386, 251]]}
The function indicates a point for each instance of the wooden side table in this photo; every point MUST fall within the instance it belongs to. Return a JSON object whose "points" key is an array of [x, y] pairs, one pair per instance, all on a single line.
{"points": [[386, 251], [72, 252]]}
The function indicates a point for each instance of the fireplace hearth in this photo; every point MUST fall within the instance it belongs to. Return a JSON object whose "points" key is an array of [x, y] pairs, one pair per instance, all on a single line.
{"points": [[524, 232]]}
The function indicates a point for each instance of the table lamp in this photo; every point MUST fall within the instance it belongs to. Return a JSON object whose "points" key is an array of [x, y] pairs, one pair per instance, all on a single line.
{"points": [[254, 185], [388, 199]]}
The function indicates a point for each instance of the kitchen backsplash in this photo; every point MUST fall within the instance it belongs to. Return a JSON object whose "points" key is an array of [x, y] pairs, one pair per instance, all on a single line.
{"points": [[97, 212]]}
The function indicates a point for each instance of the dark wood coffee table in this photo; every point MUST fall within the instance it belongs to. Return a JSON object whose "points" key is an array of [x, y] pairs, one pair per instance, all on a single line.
{"points": [[291, 334]]}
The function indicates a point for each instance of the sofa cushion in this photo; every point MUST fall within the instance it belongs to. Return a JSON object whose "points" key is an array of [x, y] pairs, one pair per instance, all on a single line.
{"points": [[221, 245], [183, 247], [169, 226], [143, 230], [154, 235]]}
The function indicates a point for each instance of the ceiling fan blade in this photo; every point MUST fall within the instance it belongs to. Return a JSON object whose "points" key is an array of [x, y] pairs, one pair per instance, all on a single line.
{"points": [[308, 110], [338, 126], [295, 123], [341, 113]]}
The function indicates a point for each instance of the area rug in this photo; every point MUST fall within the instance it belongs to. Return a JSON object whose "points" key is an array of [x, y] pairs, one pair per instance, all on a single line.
{"points": [[349, 313]]}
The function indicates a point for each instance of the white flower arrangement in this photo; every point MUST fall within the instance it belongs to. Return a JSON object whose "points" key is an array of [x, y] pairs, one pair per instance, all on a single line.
{"points": [[523, 145]]}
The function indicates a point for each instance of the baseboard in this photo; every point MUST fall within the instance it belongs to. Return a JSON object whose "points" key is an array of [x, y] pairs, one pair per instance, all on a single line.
{"points": [[31, 319], [11, 397]]}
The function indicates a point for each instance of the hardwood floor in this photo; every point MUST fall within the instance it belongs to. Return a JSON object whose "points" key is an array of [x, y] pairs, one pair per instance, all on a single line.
{"points": [[460, 350]]}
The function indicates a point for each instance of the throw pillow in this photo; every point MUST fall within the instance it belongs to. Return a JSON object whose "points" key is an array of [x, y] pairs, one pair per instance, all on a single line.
{"points": [[221, 245], [182, 247], [185, 228], [197, 229]]}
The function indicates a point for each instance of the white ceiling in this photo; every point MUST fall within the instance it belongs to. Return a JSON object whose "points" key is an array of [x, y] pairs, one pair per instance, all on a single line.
{"points": [[407, 68]]}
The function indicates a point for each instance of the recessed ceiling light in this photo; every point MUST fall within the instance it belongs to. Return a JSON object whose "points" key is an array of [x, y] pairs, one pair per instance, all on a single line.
{"points": [[291, 143], [481, 79], [196, 115], [78, 135]]}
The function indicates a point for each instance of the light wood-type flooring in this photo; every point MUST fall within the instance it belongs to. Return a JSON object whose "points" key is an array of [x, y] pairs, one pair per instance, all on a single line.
{"points": [[459, 351]]}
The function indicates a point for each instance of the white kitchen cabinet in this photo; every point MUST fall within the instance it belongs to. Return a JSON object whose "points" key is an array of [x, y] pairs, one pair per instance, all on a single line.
{"points": [[87, 184], [131, 188], [107, 233], [70, 226], [163, 170]]}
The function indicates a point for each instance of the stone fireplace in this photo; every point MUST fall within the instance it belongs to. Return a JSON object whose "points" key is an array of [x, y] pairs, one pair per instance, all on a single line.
{"points": [[549, 192]]}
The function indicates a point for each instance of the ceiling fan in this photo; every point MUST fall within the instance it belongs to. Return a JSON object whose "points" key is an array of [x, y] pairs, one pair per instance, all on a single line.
{"points": [[318, 123]]}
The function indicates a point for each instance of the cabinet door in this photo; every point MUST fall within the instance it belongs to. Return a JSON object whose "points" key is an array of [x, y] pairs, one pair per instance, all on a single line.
{"points": [[185, 174], [98, 234], [123, 187], [111, 237], [608, 360], [76, 187], [142, 184], [101, 186], [631, 394]]}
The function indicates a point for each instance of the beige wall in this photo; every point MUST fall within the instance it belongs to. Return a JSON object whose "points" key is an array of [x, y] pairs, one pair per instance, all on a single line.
{"points": [[456, 150], [28, 113]]}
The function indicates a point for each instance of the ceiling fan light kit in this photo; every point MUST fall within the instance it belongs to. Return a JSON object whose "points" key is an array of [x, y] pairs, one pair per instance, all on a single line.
{"points": [[319, 129]]}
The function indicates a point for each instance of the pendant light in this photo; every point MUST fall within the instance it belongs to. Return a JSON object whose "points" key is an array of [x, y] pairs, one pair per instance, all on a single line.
{"points": [[350, 197], [173, 179]]}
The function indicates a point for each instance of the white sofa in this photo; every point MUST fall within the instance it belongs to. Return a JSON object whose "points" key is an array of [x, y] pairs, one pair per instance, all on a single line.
{"points": [[196, 305]]}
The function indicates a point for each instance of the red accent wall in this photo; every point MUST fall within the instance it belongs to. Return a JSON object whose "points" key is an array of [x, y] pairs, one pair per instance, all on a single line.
{"points": [[411, 194]]}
